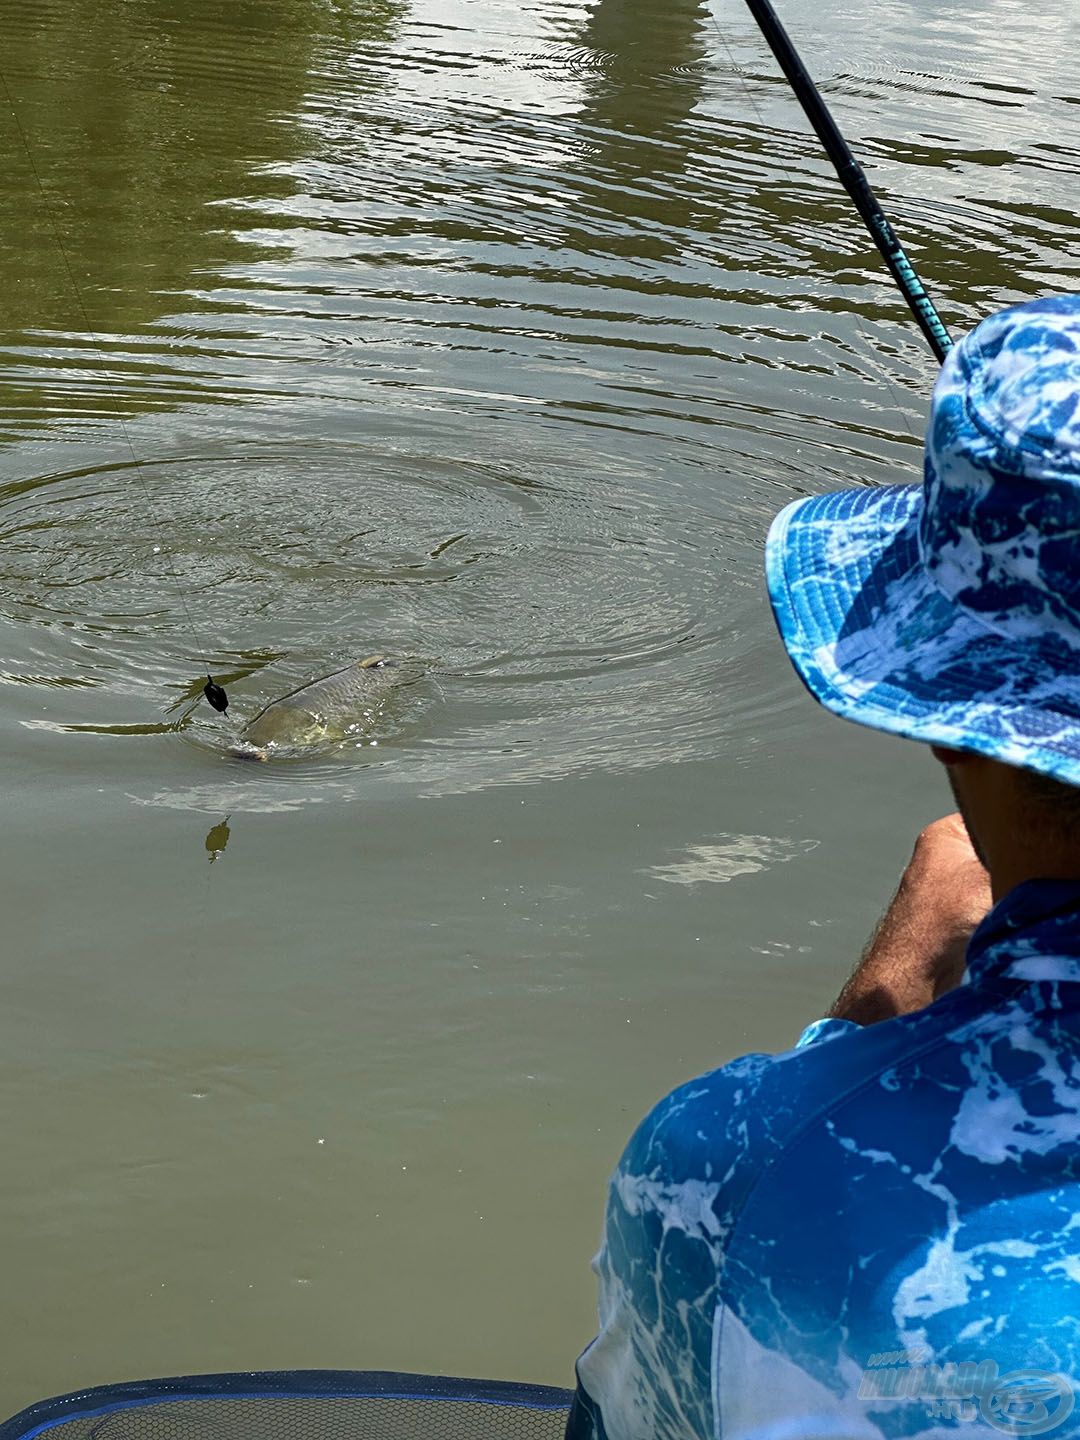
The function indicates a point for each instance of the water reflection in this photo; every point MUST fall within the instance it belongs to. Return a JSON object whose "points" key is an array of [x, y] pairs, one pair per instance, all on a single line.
{"points": [[641, 69], [217, 837], [644, 73], [174, 119]]}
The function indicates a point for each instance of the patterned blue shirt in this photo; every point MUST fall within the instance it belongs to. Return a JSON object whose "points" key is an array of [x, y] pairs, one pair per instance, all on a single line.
{"points": [[876, 1234]]}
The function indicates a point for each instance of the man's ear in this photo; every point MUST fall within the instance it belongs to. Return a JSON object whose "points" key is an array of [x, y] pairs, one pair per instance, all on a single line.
{"points": [[953, 757]]}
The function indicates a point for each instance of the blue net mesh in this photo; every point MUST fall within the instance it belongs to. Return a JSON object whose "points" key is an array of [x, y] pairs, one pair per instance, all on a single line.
{"points": [[300, 1405]]}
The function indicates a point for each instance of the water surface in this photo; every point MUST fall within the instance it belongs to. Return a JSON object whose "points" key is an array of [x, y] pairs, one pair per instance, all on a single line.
{"points": [[491, 336]]}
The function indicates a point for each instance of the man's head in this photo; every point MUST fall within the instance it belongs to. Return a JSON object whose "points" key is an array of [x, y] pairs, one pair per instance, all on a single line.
{"points": [[1022, 824], [950, 612]]}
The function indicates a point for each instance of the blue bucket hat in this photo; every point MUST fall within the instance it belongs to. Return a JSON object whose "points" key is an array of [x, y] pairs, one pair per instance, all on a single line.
{"points": [[950, 611]]}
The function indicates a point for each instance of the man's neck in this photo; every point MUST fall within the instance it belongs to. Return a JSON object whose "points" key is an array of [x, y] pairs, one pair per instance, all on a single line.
{"points": [[1013, 866]]}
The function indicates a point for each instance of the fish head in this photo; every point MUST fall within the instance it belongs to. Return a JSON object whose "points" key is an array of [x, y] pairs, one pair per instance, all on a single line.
{"points": [[285, 727], [244, 750]]}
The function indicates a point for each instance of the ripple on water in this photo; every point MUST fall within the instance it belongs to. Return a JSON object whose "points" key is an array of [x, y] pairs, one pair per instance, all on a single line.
{"points": [[497, 337], [561, 613]]}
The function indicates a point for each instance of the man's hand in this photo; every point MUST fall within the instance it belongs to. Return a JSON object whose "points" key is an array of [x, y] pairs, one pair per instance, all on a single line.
{"points": [[917, 951]]}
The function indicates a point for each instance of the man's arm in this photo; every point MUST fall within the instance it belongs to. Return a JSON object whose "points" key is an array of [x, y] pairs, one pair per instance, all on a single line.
{"points": [[917, 951]]}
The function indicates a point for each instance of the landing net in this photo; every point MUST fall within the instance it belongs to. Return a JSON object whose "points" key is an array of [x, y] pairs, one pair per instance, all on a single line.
{"points": [[300, 1405]]}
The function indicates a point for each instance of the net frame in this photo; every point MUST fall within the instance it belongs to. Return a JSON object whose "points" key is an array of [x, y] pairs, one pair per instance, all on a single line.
{"points": [[101, 1401]]}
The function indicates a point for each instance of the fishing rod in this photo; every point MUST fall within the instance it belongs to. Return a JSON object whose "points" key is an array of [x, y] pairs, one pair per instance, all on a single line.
{"points": [[852, 178]]}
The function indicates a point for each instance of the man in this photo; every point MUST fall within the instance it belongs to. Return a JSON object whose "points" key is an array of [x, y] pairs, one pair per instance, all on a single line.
{"points": [[877, 1234]]}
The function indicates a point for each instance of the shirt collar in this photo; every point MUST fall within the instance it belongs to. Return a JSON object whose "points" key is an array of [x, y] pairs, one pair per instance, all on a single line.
{"points": [[1032, 933]]}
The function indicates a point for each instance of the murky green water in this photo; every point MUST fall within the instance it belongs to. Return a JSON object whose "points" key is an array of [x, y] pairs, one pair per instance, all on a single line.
{"points": [[490, 335]]}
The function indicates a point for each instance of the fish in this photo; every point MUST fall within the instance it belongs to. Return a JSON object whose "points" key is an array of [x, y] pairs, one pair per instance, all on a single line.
{"points": [[318, 713]]}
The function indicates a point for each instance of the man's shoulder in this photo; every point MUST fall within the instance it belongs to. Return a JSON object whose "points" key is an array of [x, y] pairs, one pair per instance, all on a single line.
{"points": [[678, 1200], [720, 1129]]}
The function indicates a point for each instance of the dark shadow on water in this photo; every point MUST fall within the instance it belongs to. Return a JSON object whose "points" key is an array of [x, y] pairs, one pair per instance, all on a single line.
{"points": [[643, 69]]}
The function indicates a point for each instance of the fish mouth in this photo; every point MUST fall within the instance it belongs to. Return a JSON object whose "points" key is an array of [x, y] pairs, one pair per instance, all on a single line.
{"points": [[244, 750]]}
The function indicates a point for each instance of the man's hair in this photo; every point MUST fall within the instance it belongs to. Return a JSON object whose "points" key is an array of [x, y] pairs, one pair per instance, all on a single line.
{"points": [[1055, 804]]}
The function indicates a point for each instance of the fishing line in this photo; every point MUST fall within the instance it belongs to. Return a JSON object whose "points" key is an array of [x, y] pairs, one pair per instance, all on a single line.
{"points": [[215, 694], [878, 364]]}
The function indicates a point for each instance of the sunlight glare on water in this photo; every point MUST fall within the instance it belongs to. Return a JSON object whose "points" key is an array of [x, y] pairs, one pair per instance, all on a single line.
{"points": [[487, 336]]}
